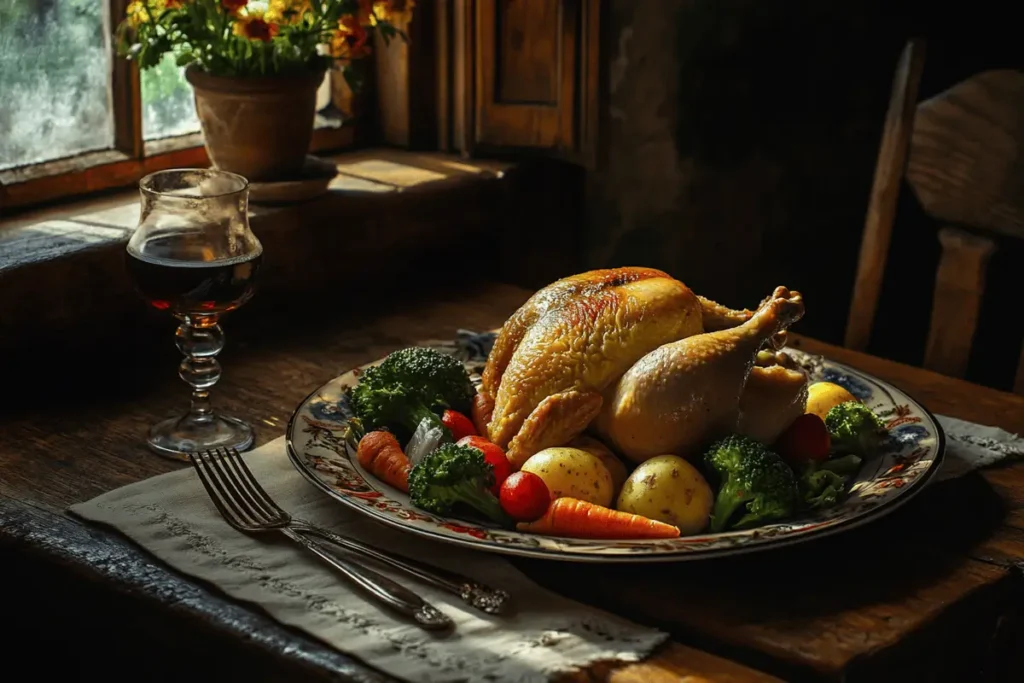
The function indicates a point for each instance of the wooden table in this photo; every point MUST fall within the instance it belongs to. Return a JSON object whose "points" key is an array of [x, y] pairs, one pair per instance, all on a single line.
{"points": [[931, 592]]}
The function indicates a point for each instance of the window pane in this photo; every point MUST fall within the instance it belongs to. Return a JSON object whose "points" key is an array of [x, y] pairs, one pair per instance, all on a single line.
{"points": [[167, 106], [54, 71]]}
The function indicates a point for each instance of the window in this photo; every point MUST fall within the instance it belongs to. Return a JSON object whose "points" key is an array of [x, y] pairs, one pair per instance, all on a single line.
{"points": [[54, 63], [76, 119], [167, 108]]}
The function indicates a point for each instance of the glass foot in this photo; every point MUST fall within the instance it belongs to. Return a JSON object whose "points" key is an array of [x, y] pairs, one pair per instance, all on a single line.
{"points": [[178, 436]]}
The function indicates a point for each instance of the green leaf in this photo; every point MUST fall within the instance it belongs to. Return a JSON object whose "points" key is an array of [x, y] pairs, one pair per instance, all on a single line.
{"points": [[353, 77]]}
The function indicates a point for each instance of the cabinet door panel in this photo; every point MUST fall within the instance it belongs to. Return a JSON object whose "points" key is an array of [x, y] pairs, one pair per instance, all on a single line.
{"points": [[526, 75]]}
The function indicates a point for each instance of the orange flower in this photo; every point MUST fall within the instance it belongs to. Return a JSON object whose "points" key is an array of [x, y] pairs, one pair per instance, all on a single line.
{"points": [[255, 27], [233, 6], [351, 40], [174, 4]]}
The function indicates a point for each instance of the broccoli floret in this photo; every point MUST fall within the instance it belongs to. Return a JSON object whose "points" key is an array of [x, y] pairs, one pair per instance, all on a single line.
{"points": [[411, 385], [854, 428], [756, 485], [454, 475], [821, 488], [822, 484], [844, 465]]}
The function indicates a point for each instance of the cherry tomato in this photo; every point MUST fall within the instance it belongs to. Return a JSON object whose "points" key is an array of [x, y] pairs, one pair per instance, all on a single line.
{"points": [[804, 440], [524, 496], [458, 424], [493, 455]]}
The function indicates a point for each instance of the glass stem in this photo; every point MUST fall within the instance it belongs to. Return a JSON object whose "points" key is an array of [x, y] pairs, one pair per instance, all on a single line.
{"points": [[200, 340]]}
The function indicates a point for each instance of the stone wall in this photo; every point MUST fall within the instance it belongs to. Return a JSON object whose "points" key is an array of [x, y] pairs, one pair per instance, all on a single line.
{"points": [[740, 143], [739, 146]]}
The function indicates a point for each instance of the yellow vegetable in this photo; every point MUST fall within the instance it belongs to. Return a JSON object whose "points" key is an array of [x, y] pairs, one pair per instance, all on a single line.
{"points": [[823, 396], [615, 466], [573, 473], [669, 489]]}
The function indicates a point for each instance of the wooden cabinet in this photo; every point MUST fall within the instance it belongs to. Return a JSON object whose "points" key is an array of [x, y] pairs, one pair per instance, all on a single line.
{"points": [[494, 78], [525, 69], [521, 77]]}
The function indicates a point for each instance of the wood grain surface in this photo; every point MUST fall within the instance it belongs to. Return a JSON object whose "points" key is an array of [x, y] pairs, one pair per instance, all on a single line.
{"points": [[939, 575]]}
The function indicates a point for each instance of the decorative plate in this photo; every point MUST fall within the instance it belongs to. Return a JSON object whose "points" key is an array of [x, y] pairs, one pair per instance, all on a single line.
{"points": [[912, 454]]}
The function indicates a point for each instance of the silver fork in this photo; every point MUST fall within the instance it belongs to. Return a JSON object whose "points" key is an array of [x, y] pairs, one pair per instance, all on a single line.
{"points": [[246, 506], [472, 592]]}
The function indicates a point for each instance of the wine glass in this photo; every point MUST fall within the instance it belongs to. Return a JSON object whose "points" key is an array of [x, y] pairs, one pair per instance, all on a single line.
{"points": [[194, 256]]}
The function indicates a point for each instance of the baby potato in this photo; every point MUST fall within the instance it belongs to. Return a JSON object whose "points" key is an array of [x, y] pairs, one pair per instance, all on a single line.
{"points": [[823, 396], [573, 473], [669, 489], [615, 466]]}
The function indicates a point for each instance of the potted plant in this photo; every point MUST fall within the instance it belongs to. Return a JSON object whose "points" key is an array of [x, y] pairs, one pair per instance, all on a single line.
{"points": [[255, 67]]}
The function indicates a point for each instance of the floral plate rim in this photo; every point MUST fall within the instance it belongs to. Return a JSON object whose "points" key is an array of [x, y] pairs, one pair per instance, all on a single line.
{"points": [[747, 541]]}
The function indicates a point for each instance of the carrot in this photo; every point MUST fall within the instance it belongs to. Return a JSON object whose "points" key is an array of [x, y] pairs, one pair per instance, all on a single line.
{"points": [[581, 519], [381, 454]]}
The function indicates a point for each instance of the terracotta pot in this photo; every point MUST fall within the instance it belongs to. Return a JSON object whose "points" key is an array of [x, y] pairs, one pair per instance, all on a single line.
{"points": [[258, 127]]}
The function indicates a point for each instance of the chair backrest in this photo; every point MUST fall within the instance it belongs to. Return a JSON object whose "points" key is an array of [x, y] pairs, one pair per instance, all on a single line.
{"points": [[961, 154], [889, 169], [966, 164]]}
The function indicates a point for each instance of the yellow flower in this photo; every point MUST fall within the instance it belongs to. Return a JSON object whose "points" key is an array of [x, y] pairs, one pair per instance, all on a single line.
{"points": [[137, 13], [397, 12], [287, 11], [140, 11], [254, 25]]}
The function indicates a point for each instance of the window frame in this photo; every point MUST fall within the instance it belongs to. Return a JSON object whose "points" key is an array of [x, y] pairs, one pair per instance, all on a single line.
{"points": [[131, 157]]}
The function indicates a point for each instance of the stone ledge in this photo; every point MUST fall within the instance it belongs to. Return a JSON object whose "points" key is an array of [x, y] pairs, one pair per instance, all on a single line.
{"points": [[389, 216], [55, 232]]}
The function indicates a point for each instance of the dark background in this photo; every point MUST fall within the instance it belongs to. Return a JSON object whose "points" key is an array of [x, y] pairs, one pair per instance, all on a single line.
{"points": [[739, 146]]}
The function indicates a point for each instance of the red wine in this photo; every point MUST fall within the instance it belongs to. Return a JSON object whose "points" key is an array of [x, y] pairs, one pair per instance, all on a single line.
{"points": [[193, 287]]}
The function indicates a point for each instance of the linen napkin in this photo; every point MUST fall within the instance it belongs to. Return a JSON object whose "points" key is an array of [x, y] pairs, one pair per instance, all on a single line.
{"points": [[970, 446], [172, 516]]}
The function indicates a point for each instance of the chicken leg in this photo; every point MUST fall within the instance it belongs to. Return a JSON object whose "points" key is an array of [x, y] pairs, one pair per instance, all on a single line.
{"points": [[775, 394], [685, 393], [718, 317]]}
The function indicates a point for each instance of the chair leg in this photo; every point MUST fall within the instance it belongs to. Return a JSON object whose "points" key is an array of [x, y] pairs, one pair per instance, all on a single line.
{"points": [[959, 286]]}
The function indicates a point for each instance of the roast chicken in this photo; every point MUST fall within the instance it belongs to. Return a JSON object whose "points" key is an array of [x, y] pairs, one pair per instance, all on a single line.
{"points": [[554, 358], [684, 393]]}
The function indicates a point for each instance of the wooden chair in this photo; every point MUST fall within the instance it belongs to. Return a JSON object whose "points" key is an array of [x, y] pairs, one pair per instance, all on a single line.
{"points": [[962, 153]]}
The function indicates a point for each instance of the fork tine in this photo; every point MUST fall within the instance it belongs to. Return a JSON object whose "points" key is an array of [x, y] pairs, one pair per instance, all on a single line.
{"points": [[235, 493], [235, 458], [214, 491], [232, 461]]}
